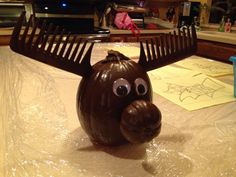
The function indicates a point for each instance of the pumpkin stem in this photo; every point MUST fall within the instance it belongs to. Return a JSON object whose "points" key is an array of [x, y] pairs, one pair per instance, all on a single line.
{"points": [[115, 56]]}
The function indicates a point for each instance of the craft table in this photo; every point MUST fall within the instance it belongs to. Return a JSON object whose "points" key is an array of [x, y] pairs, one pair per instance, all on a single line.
{"points": [[41, 134]]}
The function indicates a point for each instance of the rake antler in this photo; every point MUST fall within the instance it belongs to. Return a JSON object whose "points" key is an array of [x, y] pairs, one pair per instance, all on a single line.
{"points": [[168, 48], [41, 46]]}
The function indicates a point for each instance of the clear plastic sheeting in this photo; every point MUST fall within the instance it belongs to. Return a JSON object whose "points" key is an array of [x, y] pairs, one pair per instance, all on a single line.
{"points": [[175, 154], [33, 120], [41, 135], [165, 157]]}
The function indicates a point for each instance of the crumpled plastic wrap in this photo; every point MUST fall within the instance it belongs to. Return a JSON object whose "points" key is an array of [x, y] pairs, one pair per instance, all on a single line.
{"points": [[174, 154], [33, 120], [41, 136]]}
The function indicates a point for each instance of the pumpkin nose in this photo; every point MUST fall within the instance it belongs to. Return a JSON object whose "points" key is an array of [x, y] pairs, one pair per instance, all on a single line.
{"points": [[140, 121]]}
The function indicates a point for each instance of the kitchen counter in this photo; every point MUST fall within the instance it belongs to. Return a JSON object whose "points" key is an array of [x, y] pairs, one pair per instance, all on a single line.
{"points": [[142, 31], [41, 134], [228, 38], [8, 31]]}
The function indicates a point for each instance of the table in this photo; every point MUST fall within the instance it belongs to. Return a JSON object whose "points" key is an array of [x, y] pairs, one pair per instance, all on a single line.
{"points": [[41, 134]]}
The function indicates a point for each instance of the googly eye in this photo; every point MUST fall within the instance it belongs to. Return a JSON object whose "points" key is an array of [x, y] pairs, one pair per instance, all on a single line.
{"points": [[121, 87], [141, 86]]}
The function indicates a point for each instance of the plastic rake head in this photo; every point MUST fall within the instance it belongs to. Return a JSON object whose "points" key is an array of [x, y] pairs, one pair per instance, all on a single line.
{"points": [[51, 45], [168, 48]]}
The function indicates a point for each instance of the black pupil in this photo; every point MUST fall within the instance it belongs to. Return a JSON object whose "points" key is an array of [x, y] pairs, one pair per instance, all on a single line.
{"points": [[141, 89], [122, 90]]}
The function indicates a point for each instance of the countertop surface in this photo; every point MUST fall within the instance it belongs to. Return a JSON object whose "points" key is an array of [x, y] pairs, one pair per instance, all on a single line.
{"points": [[142, 31], [8, 31], [41, 134], [228, 38]]}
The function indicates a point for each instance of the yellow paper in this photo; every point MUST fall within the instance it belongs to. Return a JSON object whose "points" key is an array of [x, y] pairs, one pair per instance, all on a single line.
{"points": [[206, 66], [189, 89], [170, 72]]}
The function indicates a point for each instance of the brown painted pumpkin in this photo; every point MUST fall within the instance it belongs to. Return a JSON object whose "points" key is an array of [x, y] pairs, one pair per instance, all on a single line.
{"points": [[114, 102]]}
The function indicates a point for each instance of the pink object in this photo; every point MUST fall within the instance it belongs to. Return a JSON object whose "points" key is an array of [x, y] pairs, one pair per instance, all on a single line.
{"points": [[228, 26], [151, 26], [123, 21]]}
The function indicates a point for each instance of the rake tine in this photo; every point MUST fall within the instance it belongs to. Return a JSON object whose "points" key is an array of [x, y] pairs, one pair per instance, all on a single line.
{"points": [[16, 32], [184, 41], [64, 46], [189, 38], [23, 38], [58, 43], [40, 35], [142, 55], [86, 59], [157, 48], [46, 37], [81, 52], [17, 29], [148, 51], [52, 40], [32, 35], [171, 43], [75, 50], [194, 38], [153, 50], [70, 47], [180, 40], [176, 42], [167, 46], [162, 46]]}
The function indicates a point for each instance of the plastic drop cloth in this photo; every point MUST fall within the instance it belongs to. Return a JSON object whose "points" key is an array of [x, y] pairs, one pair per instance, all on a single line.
{"points": [[41, 135]]}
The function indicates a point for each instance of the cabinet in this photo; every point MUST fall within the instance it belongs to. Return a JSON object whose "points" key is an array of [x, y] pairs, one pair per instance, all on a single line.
{"points": [[4, 39], [216, 50]]}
